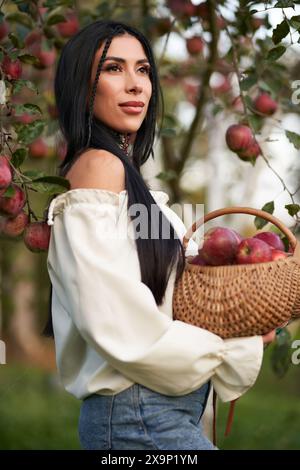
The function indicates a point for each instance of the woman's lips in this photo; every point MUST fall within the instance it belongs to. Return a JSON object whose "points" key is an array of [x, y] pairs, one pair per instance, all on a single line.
{"points": [[132, 109]]}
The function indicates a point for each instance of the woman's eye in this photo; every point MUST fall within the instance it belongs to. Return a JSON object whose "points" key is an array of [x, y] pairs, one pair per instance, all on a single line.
{"points": [[147, 69], [111, 67], [114, 67]]}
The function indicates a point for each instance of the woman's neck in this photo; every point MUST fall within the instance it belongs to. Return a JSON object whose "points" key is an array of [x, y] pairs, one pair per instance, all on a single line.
{"points": [[123, 139]]}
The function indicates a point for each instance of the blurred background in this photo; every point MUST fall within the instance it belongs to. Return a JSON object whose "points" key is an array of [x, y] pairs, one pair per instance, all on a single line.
{"points": [[215, 60]]}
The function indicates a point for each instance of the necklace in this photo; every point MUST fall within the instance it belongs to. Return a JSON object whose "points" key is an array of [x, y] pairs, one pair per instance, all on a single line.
{"points": [[122, 139]]}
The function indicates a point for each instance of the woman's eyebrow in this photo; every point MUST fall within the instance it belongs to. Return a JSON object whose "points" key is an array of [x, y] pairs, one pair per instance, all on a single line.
{"points": [[119, 59]]}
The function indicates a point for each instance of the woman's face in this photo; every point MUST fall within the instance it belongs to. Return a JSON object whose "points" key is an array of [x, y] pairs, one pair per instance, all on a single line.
{"points": [[122, 81]]}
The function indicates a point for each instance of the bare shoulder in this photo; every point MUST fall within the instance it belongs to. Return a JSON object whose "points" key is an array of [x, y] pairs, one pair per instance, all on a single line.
{"points": [[98, 169]]}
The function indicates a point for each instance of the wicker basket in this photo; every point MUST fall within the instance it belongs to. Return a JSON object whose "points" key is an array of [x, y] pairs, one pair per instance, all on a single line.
{"points": [[239, 300]]}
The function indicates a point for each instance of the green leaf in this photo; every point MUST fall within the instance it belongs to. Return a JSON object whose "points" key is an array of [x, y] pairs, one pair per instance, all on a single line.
{"points": [[168, 132], [19, 156], [293, 209], [248, 82], [167, 175], [29, 59], [261, 222], [27, 133], [295, 21], [34, 174], [280, 356], [169, 120], [275, 53], [256, 122], [54, 19], [28, 108], [280, 32], [16, 41], [284, 4], [286, 243], [20, 83], [21, 18], [293, 138], [216, 109], [248, 102], [269, 87], [55, 180], [13, 54], [50, 184], [10, 191], [53, 3]]}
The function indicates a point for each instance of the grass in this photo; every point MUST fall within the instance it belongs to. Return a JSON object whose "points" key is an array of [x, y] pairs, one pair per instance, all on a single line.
{"points": [[35, 413], [267, 416]]}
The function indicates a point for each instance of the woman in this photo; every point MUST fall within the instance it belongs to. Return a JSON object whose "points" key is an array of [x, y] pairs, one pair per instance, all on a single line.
{"points": [[143, 378]]}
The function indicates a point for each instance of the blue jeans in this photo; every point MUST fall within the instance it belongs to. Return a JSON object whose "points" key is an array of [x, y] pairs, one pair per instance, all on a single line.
{"points": [[139, 418]]}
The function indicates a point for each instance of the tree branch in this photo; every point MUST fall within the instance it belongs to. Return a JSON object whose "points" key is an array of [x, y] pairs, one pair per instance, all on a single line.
{"points": [[202, 98]]}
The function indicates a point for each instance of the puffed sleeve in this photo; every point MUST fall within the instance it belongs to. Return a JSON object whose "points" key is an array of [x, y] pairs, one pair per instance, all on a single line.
{"points": [[94, 270]]}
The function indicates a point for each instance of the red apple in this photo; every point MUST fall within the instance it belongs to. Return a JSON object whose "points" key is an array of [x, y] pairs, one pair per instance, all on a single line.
{"points": [[195, 45], [161, 26], [43, 10], [14, 226], [26, 118], [203, 10], [237, 235], [198, 259], [278, 254], [33, 41], [272, 239], [237, 104], [182, 8], [37, 236], [238, 137], [250, 152], [222, 87], [46, 58], [253, 250], [70, 26], [4, 29], [13, 69], [257, 23], [38, 148], [220, 246], [5, 172], [11, 206], [191, 88], [221, 23], [264, 104]]}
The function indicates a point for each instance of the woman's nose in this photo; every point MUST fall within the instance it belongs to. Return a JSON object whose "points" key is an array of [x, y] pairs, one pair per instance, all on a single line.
{"points": [[133, 82]]}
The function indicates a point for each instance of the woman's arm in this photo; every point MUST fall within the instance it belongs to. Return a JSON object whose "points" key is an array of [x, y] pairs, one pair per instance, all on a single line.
{"points": [[95, 274]]}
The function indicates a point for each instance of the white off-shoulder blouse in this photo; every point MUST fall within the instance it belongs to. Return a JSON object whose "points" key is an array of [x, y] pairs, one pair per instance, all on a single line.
{"points": [[109, 331]]}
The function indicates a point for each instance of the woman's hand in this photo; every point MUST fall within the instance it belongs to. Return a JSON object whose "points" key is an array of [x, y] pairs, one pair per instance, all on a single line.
{"points": [[269, 337]]}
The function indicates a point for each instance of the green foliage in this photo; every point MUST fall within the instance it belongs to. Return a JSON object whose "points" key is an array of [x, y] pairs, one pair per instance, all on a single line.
{"points": [[259, 222], [294, 138]]}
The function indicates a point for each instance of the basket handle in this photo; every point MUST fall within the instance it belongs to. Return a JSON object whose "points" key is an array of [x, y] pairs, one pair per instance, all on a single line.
{"points": [[244, 210]]}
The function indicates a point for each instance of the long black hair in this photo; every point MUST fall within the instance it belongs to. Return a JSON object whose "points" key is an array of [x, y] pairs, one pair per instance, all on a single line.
{"points": [[82, 130]]}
